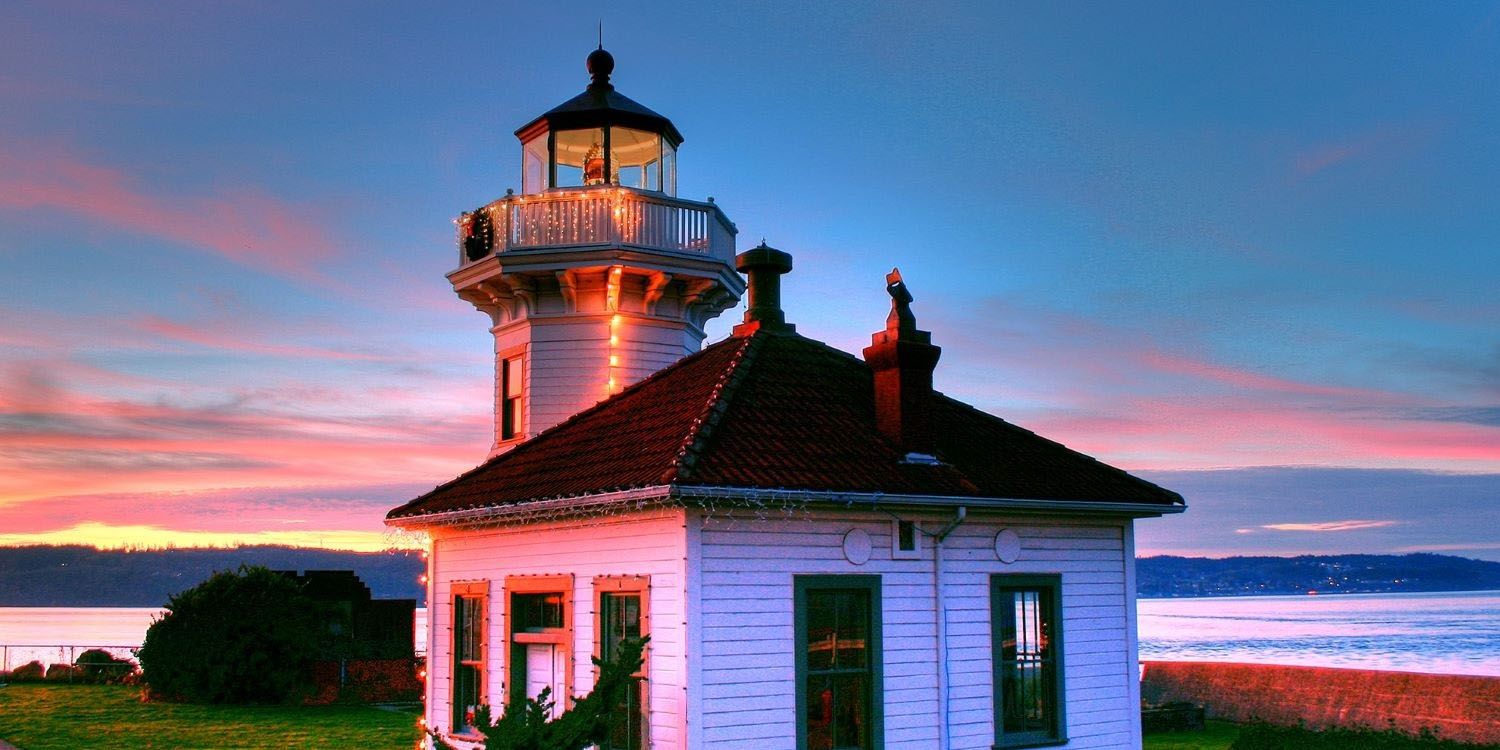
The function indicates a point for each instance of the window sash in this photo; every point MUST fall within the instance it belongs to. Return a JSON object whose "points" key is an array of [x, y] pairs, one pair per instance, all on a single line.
{"points": [[622, 614], [846, 673], [511, 392], [467, 645], [1027, 631]]}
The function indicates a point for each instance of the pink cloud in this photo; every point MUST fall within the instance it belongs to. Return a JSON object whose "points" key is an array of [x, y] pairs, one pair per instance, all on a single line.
{"points": [[219, 338], [1329, 526], [244, 224], [1250, 380]]}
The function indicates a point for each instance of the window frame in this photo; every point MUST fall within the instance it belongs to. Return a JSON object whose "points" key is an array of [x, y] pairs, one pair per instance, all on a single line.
{"points": [[515, 421], [477, 591], [874, 648], [559, 637], [915, 553], [640, 585], [1051, 586]]}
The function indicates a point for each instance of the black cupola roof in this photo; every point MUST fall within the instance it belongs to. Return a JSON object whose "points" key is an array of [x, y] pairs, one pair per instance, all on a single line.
{"points": [[600, 105]]}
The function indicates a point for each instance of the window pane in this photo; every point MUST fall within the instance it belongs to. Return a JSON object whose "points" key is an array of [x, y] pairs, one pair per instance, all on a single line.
{"points": [[580, 157], [668, 169], [536, 612], [851, 703], [821, 629], [1026, 671], [907, 536], [534, 164], [630, 151]]}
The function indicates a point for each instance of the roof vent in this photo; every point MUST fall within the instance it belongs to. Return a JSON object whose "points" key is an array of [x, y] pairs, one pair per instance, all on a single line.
{"points": [[902, 359], [764, 266]]}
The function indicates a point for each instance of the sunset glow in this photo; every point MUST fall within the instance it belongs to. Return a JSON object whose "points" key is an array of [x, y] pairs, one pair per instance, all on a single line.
{"points": [[224, 317]]}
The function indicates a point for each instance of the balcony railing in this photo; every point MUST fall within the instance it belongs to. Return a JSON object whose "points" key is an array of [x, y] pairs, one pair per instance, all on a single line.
{"points": [[595, 217]]}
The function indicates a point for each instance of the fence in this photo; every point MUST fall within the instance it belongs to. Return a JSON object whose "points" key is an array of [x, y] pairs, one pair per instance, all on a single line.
{"points": [[49, 655]]}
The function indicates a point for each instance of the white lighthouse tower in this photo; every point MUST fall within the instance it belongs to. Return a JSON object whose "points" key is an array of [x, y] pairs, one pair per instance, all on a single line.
{"points": [[595, 275]]}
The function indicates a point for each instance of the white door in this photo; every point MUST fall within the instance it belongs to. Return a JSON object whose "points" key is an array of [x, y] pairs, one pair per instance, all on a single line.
{"points": [[545, 668]]}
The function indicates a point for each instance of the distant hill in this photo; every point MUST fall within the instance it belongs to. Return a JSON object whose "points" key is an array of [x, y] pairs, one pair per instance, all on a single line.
{"points": [[78, 576], [1169, 576]]}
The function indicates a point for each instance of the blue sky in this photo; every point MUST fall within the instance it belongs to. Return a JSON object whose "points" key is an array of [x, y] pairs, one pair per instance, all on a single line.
{"points": [[1189, 239]]}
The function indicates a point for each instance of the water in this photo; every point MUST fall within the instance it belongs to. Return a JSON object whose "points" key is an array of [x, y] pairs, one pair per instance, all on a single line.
{"points": [[54, 635], [1439, 633], [1443, 633]]}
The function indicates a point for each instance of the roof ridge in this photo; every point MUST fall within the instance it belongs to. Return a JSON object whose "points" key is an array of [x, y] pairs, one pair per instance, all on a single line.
{"points": [[713, 410]]}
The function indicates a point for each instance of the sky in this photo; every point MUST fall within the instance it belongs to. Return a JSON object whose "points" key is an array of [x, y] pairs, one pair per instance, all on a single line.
{"points": [[1247, 251]]}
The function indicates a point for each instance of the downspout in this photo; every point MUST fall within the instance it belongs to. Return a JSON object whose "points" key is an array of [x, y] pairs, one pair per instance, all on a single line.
{"points": [[940, 613]]}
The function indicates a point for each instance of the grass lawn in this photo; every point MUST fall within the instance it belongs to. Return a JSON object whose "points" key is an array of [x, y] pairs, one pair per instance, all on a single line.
{"points": [[1217, 735], [64, 717]]}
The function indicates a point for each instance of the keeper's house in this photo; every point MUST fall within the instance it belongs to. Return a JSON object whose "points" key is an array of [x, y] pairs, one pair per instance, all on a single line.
{"points": [[825, 552]]}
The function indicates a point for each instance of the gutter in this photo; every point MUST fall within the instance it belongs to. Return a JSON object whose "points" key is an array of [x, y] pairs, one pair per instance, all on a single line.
{"points": [[678, 493]]}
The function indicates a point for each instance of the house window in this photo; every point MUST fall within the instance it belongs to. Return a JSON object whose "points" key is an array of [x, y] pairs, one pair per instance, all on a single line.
{"points": [[1026, 619], [837, 642], [468, 653], [539, 638], [510, 398], [906, 540], [621, 604]]}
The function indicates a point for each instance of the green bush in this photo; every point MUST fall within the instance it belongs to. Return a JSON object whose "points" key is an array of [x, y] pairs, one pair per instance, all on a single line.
{"points": [[29, 672], [1267, 737], [239, 637], [99, 667], [62, 673], [527, 724]]}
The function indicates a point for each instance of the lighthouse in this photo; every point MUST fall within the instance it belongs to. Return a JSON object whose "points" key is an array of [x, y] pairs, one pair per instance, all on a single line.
{"points": [[596, 274]]}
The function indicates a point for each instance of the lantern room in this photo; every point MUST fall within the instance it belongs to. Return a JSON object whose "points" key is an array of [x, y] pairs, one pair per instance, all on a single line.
{"points": [[600, 137]]}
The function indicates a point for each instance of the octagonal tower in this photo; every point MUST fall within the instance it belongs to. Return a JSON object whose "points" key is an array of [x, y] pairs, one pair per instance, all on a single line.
{"points": [[595, 275]]}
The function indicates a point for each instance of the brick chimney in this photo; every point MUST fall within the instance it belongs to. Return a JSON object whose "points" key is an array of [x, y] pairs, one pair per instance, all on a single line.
{"points": [[764, 266], [902, 359]]}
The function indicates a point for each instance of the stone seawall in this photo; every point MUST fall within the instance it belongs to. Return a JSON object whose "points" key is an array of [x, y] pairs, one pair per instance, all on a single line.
{"points": [[1462, 708]]}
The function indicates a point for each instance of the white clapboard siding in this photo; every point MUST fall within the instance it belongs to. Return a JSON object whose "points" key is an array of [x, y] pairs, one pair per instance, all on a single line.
{"points": [[743, 578], [646, 543]]}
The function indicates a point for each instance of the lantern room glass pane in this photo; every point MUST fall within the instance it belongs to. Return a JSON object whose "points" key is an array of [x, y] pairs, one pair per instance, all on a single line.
{"points": [[635, 157], [534, 165], [580, 157], [668, 169]]}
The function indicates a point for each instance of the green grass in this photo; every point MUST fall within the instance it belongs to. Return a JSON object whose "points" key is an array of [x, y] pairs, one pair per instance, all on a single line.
{"points": [[1217, 735], [65, 717]]}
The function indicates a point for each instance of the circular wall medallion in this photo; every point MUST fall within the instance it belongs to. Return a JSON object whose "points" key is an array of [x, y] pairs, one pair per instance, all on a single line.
{"points": [[1007, 546], [857, 546]]}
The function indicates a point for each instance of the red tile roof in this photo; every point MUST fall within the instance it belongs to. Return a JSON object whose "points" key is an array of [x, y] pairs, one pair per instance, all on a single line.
{"points": [[775, 410]]}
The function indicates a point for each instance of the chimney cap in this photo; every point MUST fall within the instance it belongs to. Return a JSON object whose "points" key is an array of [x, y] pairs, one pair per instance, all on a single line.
{"points": [[763, 257], [763, 265]]}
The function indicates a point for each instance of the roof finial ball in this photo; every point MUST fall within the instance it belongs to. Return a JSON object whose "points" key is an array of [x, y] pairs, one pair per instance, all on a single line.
{"points": [[600, 64]]}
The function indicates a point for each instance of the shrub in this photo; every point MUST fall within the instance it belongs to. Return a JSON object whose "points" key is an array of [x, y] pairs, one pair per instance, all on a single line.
{"points": [[527, 724], [62, 673], [98, 666], [239, 637], [30, 672]]}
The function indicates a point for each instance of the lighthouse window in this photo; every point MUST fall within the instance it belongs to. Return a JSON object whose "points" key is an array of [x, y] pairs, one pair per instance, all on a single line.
{"points": [[635, 158], [534, 165], [510, 398], [578, 157]]}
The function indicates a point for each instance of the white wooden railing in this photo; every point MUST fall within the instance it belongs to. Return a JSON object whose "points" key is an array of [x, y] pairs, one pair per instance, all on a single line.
{"points": [[606, 216]]}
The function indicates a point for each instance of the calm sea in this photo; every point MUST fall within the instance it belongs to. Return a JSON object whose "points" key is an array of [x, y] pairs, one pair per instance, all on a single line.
{"points": [[1443, 633], [1451, 633]]}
